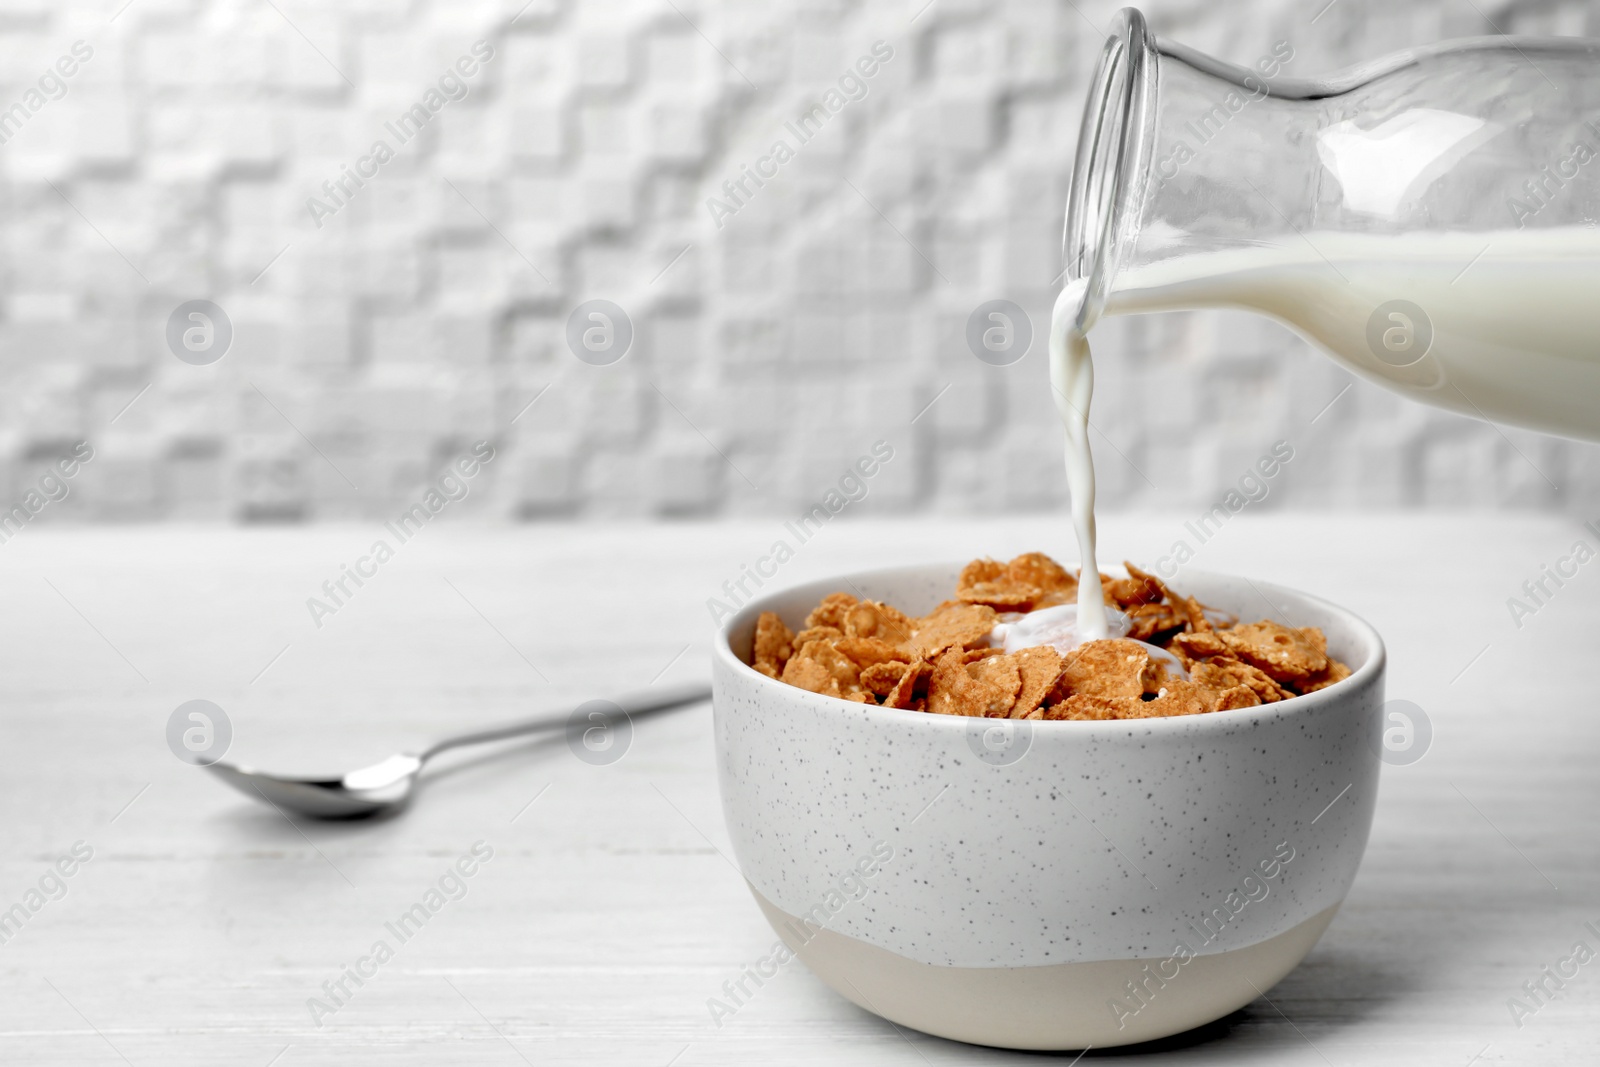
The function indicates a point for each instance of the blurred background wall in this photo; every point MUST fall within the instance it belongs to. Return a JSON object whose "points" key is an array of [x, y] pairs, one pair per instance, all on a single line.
{"points": [[379, 330]]}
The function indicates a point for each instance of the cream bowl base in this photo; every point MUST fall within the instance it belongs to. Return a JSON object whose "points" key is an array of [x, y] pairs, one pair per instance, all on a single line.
{"points": [[1059, 1007]]}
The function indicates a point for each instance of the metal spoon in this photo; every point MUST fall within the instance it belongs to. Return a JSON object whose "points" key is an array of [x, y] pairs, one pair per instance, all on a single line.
{"points": [[389, 784]]}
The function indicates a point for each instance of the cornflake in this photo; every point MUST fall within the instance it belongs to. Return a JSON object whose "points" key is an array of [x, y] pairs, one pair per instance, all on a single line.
{"points": [[951, 625], [1028, 583], [943, 663]]}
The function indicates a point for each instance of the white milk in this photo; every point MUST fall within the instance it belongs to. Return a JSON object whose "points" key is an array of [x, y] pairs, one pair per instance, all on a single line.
{"points": [[1072, 384], [1515, 314], [1509, 330]]}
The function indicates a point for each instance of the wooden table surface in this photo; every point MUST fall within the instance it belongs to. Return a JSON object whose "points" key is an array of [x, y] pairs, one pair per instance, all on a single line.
{"points": [[609, 913]]}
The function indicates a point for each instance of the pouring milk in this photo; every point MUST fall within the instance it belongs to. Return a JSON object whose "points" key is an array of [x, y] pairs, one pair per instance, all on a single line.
{"points": [[1502, 325], [1072, 383], [1430, 219]]}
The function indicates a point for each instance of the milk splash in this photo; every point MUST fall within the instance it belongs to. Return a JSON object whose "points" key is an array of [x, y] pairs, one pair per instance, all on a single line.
{"points": [[1072, 383]]}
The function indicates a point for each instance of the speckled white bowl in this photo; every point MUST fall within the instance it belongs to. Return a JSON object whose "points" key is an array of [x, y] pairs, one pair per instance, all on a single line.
{"points": [[1052, 885]]}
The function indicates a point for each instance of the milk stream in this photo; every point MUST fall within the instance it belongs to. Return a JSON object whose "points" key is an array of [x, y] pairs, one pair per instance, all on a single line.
{"points": [[1072, 384]]}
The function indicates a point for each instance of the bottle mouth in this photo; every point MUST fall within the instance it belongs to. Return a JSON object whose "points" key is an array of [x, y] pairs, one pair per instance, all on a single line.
{"points": [[1109, 168]]}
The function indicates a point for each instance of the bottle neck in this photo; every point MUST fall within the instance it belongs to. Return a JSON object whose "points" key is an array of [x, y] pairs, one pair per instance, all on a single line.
{"points": [[1181, 154], [1112, 162]]}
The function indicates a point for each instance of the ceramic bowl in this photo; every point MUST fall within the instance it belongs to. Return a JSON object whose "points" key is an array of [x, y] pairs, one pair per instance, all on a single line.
{"points": [[1047, 885]]}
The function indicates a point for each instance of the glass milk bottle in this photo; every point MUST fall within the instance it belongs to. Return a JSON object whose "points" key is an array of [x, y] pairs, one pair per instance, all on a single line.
{"points": [[1429, 219]]}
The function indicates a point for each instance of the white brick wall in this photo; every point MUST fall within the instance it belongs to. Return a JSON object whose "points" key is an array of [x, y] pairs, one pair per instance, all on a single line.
{"points": [[768, 354]]}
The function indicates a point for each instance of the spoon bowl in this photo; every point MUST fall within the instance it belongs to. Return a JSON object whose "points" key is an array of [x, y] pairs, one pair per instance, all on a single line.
{"points": [[384, 786]]}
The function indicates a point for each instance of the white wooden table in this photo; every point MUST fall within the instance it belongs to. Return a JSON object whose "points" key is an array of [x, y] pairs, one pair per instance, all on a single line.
{"points": [[606, 918]]}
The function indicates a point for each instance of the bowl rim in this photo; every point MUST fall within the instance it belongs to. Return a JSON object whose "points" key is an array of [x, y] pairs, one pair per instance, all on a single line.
{"points": [[1373, 667]]}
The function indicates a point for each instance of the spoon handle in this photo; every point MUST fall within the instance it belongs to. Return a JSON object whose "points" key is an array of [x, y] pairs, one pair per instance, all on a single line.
{"points": [[636, 704]]}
